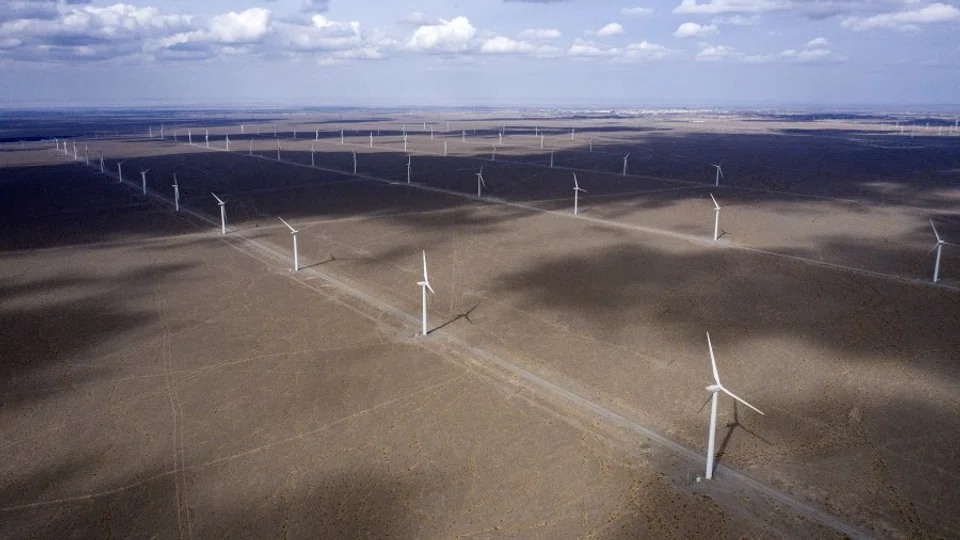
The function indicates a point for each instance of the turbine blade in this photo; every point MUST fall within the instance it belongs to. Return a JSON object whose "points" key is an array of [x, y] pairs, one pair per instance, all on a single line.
{"points": [[425, 268], [217, 198], [935, 246], [734, 396], [713, 361], [287, 224], [429, 288], [935, 233], [717, 206]]}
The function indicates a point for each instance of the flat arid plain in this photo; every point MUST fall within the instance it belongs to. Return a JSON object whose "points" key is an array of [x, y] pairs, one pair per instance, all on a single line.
{"points": [[162, 380]]}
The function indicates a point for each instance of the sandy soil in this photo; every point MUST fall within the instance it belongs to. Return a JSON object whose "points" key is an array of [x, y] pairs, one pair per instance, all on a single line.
{"points": [[856, 369]]}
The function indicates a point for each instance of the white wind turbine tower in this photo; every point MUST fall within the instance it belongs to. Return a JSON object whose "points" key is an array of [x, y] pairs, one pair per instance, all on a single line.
{"points": [[313, 148], [86, 154], [408, 168], [939, 247], [250, 147], [278, 149], [296, 259], [463, 136], [501, 137], [493, 154], [551, 159], [714, 389], [371, 139], [189, 136], [143, 180], [404, 142], [176, 193], [424, 287], [150, 131], [161, 131], [206, 138], [480, 183], [572, 131], [102, 169], [223, 213], [316, 134], [120, 170], [716, 219], [175, 136], [719, 173], [242, 129], [354, 163], [341, 136], [444, 147], [625, 158], [576, 195], [75, 150], [591, 145], [227, 140]]}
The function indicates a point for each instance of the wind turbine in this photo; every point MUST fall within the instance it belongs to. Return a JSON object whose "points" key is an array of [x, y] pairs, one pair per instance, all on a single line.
{"points": [[86, 154], [501, 137], [189, 136], [572, 131], [493, 155], [313, 148], [316, 134], [719, 173], [75, 150], [293, 232], [161, 131], [716, 220], [242, 129], [206, 138], [143, 180], [480, 182], [551, 159], [354, 163], [625, 158], [102, 170], [341, 136], [404, 142], [714, 389], [371, 139], [175, 136], [120, 170], [591, 145], [408, 168], [278, 149], [444, 147], [228, 142], [463, 136], [176, 193], [424, 287], [150, 132], [223, 213], [939, 247], [576, 195]]}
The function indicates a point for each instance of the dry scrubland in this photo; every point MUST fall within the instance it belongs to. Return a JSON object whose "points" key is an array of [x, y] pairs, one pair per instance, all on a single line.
{"points": [[161, 379]]}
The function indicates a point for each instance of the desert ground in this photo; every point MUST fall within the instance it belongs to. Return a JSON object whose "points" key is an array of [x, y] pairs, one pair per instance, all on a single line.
{"points": [[161, 379]]}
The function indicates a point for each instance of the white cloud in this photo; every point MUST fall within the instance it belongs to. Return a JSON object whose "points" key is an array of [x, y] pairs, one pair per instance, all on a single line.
{"points": [[451, 36], [818, 42], [644, 52], [540, 34], [809, 55], [502, 44], [611, 29], [588, 49], [710, 53], [719, 7], [418, 18], [248, 26], [691, 29], [321, 34], [904, 20], [637, 11]]}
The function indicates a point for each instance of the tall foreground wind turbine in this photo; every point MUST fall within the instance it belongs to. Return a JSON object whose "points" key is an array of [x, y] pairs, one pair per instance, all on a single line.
{"points": [[223, 214], [714, 389], [408, 167], [424, 287], [293, 232], [576, 195], [176, 193], [719, 174], [716, 220], [480, 182], [939, 247]]}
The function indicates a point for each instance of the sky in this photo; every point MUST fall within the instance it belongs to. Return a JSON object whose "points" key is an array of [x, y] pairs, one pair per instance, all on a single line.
{"points": [[529, 53]]}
